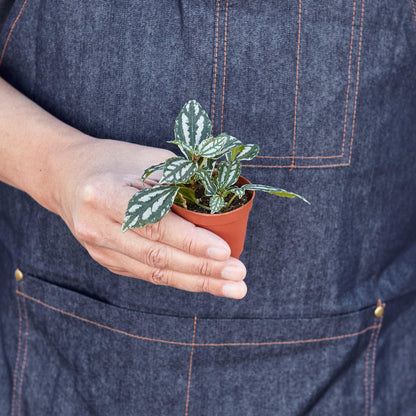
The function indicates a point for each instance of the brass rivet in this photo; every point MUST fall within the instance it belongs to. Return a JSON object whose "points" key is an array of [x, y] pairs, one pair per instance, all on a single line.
{"points": [[18, 275], [378, 312]]}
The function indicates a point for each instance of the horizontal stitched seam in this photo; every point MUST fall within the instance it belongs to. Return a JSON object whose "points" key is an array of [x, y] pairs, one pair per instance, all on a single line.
{"points": [[230, 344]]}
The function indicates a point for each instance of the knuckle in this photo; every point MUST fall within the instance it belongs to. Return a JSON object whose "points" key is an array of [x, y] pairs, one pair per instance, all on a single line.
{"points": [[205, 285], [153, 231], [205, 268], [89, 192], [86, 233], [157, 257], [160, 277], [189, 242]]}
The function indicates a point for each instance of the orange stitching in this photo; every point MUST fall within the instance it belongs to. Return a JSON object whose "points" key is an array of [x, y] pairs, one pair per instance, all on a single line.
{"points": [[10, 32], [190, 369], [22, 371], [349, 79], [373, 367], [414, 9], [292, 166], [296, 89], [367, 356], [358, 80], [296, 166], [225, 64], [303, 341], [215, 65], [16, 366], [297, 157]]}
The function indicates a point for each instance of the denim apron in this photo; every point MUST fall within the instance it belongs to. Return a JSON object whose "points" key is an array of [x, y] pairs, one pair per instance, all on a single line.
{"points": [[328, 90]]}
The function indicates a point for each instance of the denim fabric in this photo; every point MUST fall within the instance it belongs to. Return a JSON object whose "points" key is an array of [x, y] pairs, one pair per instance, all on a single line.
{"points": [[328, 90]]}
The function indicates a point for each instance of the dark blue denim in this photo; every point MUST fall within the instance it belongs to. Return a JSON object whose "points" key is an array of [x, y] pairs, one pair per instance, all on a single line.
{"points": [[328, 90]]}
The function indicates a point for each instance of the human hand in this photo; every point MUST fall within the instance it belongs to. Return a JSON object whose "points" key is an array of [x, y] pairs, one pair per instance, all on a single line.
{"points": [[94, 181]]}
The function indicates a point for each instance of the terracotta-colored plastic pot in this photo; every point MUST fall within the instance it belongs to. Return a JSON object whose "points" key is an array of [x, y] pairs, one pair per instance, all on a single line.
{"points": [[231, 226]]}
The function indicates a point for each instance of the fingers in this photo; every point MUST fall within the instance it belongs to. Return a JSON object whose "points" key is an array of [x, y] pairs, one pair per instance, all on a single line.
{"points": [[162, 256], [121, 264], [176, 232]]}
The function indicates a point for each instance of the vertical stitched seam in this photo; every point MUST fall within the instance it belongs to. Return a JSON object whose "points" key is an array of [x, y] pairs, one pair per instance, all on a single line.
{"points": [[367, 356], [225, 64], [215, 66], [414, 9], [296, 89], [190, 368], [22, 371], [373, 367], [19, 344], [357, 81], [349, 79], [11, 31]]}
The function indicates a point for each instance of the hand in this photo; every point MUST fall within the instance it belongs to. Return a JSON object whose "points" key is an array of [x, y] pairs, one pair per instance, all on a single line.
{"points": [[94, 181]]}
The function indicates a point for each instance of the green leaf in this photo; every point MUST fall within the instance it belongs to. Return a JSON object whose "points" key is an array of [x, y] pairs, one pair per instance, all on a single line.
{"points": [[238, 191], [152, 169], [188, 194], [148, 206], [228, 173], [230, 142], [207, 180], [247, 152], [272, 190], [216, 203], [211, 147], [186, 150], [178, 170], [192, 126]]}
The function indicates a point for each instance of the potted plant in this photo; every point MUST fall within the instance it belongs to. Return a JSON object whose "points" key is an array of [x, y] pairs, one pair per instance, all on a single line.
{"points": [[208, 192]]}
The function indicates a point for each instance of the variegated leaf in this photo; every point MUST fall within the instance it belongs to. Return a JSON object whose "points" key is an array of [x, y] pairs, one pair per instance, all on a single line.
{"points": [[207, 180], [247, 152], [186, 150], [192, 126], [216, 203], [178, 170], [148, 206], [230, 143], [238, 191], [272, 190], [228, 174], [211, 147], [152, 169]]}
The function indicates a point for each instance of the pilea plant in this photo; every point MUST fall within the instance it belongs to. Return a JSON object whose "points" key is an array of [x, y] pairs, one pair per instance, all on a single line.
{"points": [[199, 166]]}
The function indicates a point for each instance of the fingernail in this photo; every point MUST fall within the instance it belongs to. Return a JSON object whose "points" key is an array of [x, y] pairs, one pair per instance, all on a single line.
{"points": [[218, 253], [233, 272], [234, 290]]}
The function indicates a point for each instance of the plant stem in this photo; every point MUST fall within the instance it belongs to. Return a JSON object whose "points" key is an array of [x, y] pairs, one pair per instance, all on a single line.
{"points": [[231, 200], [203, 163], [201, 205]]}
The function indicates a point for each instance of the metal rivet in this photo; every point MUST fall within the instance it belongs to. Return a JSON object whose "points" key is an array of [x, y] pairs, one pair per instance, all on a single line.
{"points": [[378, 312], [18, 275]]}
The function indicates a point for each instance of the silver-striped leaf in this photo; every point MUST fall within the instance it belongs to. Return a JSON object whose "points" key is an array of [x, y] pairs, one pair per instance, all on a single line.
{"points": [[230, 143], [272, 190], [192, 126], [238, 191], [178, 170], [152, 169], [186, 150], [207, 180], [216, 203], [228, 173], [148, 206], [211, 147], [247, 152]]}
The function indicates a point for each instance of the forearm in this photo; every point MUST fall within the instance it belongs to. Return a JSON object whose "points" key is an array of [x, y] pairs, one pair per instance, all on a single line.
{"points": [[30, 138]]}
